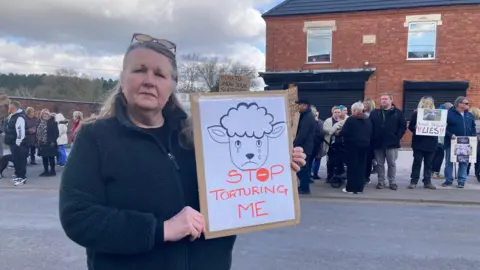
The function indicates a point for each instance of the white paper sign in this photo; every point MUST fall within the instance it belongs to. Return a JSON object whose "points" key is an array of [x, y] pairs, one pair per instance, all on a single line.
{"points": [[431, 122], [464, 149], [246, 156]]}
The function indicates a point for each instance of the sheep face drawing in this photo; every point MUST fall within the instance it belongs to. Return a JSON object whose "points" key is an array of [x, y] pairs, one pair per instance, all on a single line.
{"points": [[248, 140]]}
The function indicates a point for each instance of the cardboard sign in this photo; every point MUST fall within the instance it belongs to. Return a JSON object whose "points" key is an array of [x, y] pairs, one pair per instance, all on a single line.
{"points": [[229, 83], [243, 155], [293, 111], [464, 149], [431, 122]]}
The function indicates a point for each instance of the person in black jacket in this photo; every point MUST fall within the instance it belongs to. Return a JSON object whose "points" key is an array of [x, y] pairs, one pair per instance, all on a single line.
{"points": [[129, 191], [17, 141], [389, 125], [46, 137], [305, 138], [424, 148], [356, 134]]}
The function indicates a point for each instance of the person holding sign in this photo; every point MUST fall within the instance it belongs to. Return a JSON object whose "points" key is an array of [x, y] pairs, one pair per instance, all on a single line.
{"points": [[460, 122], [129, 194], [423, 149]]}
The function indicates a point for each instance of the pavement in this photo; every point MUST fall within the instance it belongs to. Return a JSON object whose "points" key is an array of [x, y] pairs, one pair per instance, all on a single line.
{"points": [[331, 235], [320, 190], [449, 195]]}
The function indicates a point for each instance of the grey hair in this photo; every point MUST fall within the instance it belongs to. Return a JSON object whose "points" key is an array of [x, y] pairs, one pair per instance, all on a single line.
{"points": [[78, 115], [459, 100], [357, 107], [108, 108], [448, 105]]}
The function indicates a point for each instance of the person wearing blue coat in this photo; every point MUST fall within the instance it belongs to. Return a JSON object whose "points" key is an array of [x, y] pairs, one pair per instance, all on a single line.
{"points": [[460, 122]]}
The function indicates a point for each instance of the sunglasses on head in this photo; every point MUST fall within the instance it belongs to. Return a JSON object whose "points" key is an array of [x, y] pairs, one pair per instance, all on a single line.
{"points": [[137, 37]]}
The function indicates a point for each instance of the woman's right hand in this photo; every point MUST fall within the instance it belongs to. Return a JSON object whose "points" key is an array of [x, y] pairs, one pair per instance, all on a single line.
{"points": [[187, 222]]}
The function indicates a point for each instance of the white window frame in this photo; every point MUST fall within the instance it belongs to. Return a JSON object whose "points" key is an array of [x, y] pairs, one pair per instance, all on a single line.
{"points": [[434, 42], [331, 29]]}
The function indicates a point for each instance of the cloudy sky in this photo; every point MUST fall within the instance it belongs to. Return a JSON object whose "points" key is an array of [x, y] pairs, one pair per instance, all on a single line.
{"points": [[40, 36]]}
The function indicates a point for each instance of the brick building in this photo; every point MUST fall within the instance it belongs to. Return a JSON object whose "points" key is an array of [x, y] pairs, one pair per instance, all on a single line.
{"points": [[339, 52]]}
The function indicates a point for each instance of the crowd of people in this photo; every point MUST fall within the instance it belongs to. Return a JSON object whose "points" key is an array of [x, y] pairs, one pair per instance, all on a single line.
{"points": [[360, 144], [29, 134]]}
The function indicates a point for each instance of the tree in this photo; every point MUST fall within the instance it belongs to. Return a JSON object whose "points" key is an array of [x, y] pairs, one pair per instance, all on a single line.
{"points": [[201, 74], [64, 84]]}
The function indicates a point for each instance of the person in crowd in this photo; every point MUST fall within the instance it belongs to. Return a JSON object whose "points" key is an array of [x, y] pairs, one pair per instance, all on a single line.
{"points": [[47, 135], [476, 115], [305, 138], [17, 141], [460, 122], [318, 145], [129, 194], [424, 148], [62, 138], [329, 127], [389, 125], [344, 111], [77, 120], [32, 123], [369, 106], [356, 134], [440, 152]]}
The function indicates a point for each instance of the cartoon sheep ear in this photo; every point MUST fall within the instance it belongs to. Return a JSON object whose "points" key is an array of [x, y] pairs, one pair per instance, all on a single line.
{"points": [[277, 129], [218, 134]]}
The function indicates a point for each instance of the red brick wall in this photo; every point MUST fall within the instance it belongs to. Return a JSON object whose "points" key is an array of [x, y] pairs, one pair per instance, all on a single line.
{"points": [[458, 48], [65, 107]]}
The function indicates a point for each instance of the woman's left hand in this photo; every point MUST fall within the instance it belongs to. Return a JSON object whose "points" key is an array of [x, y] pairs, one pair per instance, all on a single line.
{"points": [[298, 159]]}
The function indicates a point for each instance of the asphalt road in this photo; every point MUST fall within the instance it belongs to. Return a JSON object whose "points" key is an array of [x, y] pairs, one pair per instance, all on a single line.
{"points": [[332, 236]]}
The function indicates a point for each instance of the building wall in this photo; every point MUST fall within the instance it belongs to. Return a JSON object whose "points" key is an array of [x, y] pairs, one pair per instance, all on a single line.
{"points": [[457, 49]]}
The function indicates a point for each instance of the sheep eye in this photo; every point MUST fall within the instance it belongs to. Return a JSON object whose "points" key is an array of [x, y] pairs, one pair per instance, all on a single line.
{"points": [[259, 143], [238, 143]]}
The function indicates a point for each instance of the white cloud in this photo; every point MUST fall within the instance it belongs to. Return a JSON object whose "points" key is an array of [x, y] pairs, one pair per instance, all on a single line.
{"points": [[91, 35]]}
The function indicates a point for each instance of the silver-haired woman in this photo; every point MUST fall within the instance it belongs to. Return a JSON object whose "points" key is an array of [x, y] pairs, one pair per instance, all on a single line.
{"points": [[356, 133], [129, 194]]}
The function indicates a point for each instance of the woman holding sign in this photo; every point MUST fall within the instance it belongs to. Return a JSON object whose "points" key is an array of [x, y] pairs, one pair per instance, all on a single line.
{"points": [[129, 194], [424, 148]]}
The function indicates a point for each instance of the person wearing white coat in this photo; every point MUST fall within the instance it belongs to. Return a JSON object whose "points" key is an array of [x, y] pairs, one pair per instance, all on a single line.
{"points": [[62, 138]]}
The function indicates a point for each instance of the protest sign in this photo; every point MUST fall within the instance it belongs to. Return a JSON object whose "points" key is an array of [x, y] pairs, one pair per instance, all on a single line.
{"points": [[230, 83], [431, 122], [464, 149], [293, 111], [243, 155]]}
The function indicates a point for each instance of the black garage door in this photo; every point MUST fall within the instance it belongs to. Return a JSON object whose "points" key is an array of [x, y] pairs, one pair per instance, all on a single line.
{"points": [[441, 92], [324, 99]]}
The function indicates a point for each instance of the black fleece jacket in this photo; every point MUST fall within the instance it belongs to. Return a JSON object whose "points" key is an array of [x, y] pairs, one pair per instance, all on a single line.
{"points": [[357, 131], [388, 127], [119, 186]]}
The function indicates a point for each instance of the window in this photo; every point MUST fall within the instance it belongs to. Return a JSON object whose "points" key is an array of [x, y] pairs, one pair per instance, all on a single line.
{"points": [[422, 37], [319, 45]]}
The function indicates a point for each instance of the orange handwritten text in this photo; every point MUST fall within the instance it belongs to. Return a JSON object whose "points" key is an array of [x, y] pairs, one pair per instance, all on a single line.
{"points": [[224, 194], [255, 208], [261, 174]]}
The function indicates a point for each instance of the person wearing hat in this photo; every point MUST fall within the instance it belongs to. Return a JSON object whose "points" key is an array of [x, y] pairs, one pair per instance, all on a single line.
{"points": [[305, 138]]}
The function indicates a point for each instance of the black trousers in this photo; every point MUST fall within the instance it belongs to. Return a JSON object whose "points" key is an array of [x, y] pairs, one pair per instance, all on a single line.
{"points": [[19, 154], [356, 166], [427, 158], [32, 154], [48, 161], [304, 175], [368, 168], [438, 159]]}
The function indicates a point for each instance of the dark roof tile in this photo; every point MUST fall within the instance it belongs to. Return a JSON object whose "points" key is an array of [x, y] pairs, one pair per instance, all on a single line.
{"points": [[305, 7]]}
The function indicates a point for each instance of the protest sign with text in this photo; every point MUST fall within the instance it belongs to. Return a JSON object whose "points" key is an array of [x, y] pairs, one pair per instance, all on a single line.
{"points": [[431, 122], [243, 154]]}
